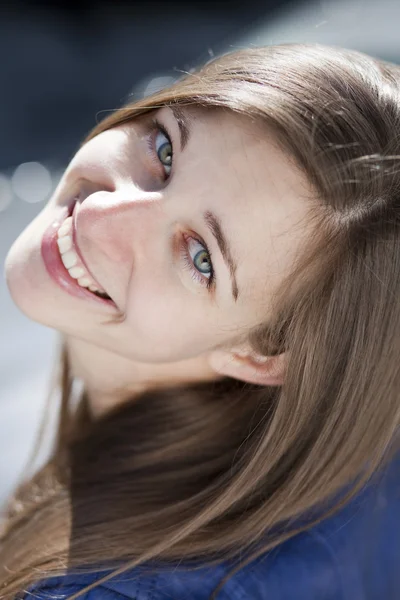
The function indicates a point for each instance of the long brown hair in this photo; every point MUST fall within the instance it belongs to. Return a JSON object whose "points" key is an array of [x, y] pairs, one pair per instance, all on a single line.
{"points": [[218, 471]]}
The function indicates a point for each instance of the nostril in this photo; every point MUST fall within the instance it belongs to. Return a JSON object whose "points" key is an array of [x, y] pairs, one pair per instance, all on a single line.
{"points": [[71, 205], [87, 188]]}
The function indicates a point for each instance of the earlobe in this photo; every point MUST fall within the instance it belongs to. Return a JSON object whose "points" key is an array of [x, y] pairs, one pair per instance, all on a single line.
{"points": [[249, 367]]}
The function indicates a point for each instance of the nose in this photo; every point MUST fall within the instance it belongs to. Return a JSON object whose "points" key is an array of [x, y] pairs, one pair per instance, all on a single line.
{"points": [[120, 222]]}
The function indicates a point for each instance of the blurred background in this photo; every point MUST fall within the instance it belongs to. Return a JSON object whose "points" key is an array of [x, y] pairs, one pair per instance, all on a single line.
{"points": [[62, 64]]}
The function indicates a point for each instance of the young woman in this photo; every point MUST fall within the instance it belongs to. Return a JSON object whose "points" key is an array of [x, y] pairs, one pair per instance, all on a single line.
{"points": [[222, 260]]}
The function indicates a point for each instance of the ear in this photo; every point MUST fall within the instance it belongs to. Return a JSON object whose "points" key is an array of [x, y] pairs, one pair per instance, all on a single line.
{"points": [[248, 366]]}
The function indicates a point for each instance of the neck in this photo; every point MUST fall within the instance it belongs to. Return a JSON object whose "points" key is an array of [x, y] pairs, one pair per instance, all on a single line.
{"points": [[110, 379]]}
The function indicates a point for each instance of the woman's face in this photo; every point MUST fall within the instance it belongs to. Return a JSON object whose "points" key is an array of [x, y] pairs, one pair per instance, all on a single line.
{"points": [[186, 219]]}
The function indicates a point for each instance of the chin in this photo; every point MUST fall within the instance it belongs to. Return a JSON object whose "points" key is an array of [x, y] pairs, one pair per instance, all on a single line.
{"points": [[19, 276], [26, 280]]}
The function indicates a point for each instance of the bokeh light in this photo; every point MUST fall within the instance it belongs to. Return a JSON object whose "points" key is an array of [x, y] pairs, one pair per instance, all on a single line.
{"points": [[32, 182], [155, 84]]}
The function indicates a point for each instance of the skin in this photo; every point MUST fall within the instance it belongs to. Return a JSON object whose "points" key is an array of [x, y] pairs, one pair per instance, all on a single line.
{"points": [[131, 225]]}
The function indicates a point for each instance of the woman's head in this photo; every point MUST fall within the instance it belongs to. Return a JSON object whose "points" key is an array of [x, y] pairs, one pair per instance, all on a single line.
{"points": [[188, 232], [187, 216], [293, 153]]}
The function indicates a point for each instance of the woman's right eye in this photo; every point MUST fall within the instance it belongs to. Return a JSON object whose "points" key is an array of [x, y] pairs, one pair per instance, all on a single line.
{"points": [[163, 148]]}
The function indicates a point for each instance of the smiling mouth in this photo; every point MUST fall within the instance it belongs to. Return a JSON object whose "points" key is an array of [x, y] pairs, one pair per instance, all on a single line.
{"points": [[72, 260]]}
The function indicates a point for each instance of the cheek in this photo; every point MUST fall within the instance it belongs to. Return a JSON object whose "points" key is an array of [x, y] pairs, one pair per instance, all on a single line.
{"points": [[169, 327]]}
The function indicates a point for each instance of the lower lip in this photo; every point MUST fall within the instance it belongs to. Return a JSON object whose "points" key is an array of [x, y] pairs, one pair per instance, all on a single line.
{"points": [[54, 265]]}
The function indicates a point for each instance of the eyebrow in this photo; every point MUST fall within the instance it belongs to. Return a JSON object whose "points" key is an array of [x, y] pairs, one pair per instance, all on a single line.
{"points": [[212, 222], [183, 124], [214, 225]]}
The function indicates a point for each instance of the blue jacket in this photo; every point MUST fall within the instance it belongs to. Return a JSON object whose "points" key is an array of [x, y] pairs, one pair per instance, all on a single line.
{"points": [[354, 555]]}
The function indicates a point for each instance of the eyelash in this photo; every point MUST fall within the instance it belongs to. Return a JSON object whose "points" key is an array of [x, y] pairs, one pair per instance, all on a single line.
{"points": [[154, 128], [207, 282]]}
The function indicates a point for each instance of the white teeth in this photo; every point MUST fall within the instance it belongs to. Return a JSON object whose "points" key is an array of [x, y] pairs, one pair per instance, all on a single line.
{"points": [[76, 272], [65, 227], [69, 259], [84, 281], [64, 243]]}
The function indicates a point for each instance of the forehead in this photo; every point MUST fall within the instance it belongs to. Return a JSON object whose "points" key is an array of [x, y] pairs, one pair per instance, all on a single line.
{"points": [[258, 192], [245, 155]]}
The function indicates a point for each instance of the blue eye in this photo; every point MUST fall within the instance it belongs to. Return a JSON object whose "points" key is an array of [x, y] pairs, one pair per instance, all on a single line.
{"points": [[197, 260], [163, 147], [201, 261]]}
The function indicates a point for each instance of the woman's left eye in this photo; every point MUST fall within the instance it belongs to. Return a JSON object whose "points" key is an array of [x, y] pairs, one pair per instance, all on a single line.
{"points": [[197, 260], [163, 148]]}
